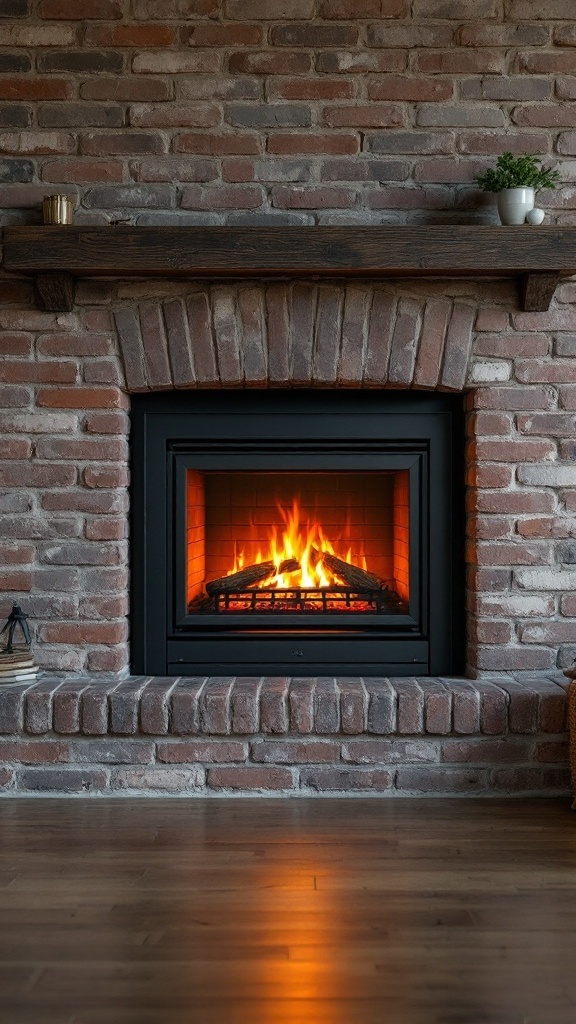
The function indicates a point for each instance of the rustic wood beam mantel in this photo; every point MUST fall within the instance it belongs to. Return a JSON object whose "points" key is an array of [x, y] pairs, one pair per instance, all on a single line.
{"points": [[57, 256]]}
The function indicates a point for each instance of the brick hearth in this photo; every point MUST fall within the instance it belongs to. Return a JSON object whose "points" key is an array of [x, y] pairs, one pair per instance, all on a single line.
{"points": [[287, 736]]}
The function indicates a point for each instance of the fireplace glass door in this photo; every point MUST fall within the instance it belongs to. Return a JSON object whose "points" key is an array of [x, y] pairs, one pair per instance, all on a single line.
{"points": [[297, 532]]}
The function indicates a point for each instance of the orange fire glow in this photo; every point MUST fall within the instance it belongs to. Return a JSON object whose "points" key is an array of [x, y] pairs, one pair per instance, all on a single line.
{"points": [[302, 540]]}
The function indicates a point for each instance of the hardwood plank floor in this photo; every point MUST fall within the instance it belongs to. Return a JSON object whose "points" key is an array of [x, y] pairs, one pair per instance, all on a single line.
{"points": [[287, 912]]}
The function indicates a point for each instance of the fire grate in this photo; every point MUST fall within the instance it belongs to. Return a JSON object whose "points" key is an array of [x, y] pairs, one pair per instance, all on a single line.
{"points": [[301, 599]]}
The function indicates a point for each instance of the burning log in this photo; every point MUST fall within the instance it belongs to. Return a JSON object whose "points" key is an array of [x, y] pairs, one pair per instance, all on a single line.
{"points": [[250, 575], [352, 575]]}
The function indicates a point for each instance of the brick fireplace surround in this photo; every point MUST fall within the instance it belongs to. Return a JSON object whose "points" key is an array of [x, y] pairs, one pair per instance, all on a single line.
{"points": [[283, 112]]}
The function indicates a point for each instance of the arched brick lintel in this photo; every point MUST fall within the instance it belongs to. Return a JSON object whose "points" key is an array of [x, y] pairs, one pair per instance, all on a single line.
{"points": [[307, 334]]}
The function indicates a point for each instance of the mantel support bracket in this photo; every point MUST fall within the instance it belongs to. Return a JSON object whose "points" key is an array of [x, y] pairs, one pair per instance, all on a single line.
{"points": [[55, 291], [537, 291]]}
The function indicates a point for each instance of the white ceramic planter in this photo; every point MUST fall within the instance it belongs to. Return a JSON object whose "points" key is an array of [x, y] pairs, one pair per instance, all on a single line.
{"points": [[514, 204]]}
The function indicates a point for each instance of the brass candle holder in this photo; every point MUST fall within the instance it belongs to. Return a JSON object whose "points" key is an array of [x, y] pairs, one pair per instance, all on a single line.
{"points": [[58, 209]]}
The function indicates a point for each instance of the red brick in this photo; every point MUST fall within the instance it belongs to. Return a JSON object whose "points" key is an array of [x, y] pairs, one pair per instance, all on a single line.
{"points": [[269, 62], [345, 780], [250, 778], [222, 197], [539, 371], [442, 780], [513, 502], [510, 346], [272, 10], [84, 501], [311, 89], [30, 751], [127, 90], [35, 89], [369, 751], [353, 705], [62, 780], [109, 607], [542, 115], [342, 9], [115, 660], [514, 451], [26, 474], [16, 554], [481, 751], [402, 198], [479, 34], [491, 143], [158, 779], [244, 705], [361, 62], [547, 424], [137, 36], [34, 373], [412, 90], [106, 476], [37, 143], [75, 345], [460, 62], [148, 10], [491, 319], [301, 704], [15, 344], [489, 527], [107, 423], [13, 398], [514, 399], [172, 115], [271, 751], [547, 63], [383, 115], [237, 170], [226, 35], [547, 633], [438, 707], [545, 527], [184, 709], [16, 449], [206, 751], [82, 398], [16, 581], [554, 751], [220, 144], [491, 424], [314, 36], [338, 143], [108, 529], [83, 10], [123, 143], [487, 476], [296, 197], [82, 171]]}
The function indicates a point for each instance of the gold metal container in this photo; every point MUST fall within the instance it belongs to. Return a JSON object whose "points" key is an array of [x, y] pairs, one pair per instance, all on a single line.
{"points": [[58, 209]]}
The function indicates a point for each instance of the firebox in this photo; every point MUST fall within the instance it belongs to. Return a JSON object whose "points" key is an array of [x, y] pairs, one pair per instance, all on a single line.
{"points": [[301, 532]]}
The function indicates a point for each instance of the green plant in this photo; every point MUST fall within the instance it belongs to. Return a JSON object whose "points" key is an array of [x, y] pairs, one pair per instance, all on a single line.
{"points": [[517, 172]]}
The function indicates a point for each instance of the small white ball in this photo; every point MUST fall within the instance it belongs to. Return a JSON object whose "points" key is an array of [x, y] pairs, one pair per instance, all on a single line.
{"points": [[535, 216]]}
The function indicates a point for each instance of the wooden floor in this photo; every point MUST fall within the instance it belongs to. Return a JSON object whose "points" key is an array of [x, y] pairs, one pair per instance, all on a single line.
{"points": [[287, 912]]}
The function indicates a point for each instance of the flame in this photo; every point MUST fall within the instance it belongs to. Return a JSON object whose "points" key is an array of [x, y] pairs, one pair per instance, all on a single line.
{"points": [[302, 540]]}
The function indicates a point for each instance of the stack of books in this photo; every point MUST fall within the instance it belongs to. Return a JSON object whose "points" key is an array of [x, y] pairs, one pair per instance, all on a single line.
{"points": [[17, 667]]}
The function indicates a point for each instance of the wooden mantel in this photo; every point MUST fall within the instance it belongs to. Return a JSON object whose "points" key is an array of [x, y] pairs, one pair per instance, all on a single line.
{"points": [[56, 256]]}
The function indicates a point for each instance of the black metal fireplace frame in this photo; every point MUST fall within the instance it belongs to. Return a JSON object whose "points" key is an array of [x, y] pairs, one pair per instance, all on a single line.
{"points": [[302, 431]]}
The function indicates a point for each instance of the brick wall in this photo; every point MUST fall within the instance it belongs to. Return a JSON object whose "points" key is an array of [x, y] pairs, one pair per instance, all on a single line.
{"points": [[289, 111], [304, 111]]}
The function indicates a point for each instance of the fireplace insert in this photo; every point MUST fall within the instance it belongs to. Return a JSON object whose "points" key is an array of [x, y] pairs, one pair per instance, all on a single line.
{"points": [[297, 532]]}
